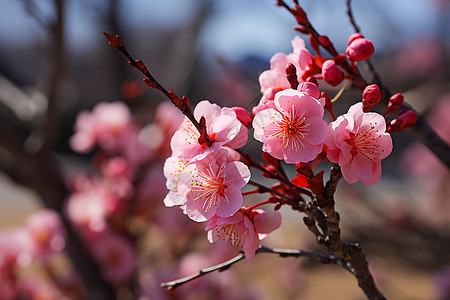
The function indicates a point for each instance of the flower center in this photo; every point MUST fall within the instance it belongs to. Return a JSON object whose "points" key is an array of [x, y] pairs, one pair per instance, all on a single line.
{"points": [[365, 143], [232, 234], [210, 188], [292, 130]]}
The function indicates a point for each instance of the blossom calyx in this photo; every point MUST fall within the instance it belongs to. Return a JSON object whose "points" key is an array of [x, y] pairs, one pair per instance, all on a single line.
{"points": [[370, 97], [331, 73]]}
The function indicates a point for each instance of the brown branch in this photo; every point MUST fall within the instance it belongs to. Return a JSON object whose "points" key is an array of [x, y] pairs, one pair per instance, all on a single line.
{"points": [[50, 128], [182, 104], [322, 258], [331, 241]]}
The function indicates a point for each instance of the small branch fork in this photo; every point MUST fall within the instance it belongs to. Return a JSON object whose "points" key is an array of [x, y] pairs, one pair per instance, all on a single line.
{"points": [[182, 104], [323, 212], [322, 258]]}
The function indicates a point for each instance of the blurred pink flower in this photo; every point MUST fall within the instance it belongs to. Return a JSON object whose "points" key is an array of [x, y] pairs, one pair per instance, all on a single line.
{"points": [[37, 289], [46, 232], [102, 125], [110, 126], [116, 256], [242, 230], [222, 126], [95, 200], [295, 130], [275, 78], [358, 142]]}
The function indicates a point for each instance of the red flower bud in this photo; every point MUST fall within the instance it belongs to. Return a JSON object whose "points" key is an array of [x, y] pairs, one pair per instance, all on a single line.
{"points": [[328, 105], [312, 79], [370, 97], [324, 41], [394, 103], [291, 75], [405, 120], [354, 37], [243, 116], [360, 49], [331, 73]]}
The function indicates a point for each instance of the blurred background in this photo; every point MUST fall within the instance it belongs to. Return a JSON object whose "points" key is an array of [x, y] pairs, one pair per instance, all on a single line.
{"points": [[55, 62]]}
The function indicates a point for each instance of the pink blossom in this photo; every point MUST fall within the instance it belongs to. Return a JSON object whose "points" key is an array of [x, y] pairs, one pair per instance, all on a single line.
{"points": [[295, 130], [96, 200], [358, 142], [212, 186], [275, 78], [242, 230], [222, 126], [102, 125], [172, 171], [36, 288], [46, 232], [116, 256]]}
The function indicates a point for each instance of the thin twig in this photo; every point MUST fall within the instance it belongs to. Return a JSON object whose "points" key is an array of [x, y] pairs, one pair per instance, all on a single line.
{"points": [[320, 257]]}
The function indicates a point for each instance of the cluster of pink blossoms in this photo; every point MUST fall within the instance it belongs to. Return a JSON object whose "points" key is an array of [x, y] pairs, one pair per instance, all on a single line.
{"points": [[205, 180], [291, 127]]}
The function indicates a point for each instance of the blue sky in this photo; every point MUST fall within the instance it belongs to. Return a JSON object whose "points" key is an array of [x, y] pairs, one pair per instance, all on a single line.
{"points": [[237, 27]]}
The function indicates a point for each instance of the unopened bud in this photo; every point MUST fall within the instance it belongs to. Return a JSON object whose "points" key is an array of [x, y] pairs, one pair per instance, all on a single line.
{"points": [[324, 41], [360, 49], [370, 97], [354, 37], [313, 42], [394, 103], [309, 88], [331, 73], [302, 29], [328, 105], [243, 116], [291, 75], [313, 80], [405, 120]]}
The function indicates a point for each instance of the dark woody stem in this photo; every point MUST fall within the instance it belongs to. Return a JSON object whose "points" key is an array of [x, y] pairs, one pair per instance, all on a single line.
{"points": [[322, 258], [331, 239]]}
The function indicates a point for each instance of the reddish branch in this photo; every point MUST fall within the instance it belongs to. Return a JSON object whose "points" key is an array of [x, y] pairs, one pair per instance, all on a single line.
{"points": [[322, 258], [182, 104]]}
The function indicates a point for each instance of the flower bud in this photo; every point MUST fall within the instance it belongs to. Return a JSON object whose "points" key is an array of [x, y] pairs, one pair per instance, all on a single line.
{"points": [[313, 80], [370, 97], [324, 40], [405, 120], [309, 88], [354, 37], [243, 116], [331, 73], [360, 49], [394, 103]]}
